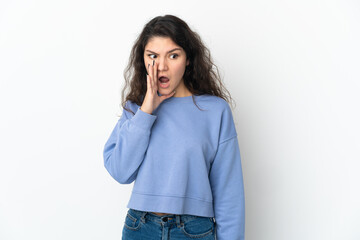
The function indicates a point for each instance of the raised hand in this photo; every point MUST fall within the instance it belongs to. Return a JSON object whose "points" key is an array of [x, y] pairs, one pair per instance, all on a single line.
{"points": [[152, 100]]}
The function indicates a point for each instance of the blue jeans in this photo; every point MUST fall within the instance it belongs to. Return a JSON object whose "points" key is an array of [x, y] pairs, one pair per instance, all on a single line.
{"points": [[141, 225]]}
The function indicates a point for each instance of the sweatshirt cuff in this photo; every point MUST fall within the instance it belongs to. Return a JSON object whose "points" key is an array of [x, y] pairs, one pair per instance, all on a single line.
{"points": [[143, 120]]}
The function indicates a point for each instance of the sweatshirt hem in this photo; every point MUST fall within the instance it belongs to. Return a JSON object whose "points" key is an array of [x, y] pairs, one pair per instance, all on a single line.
{"points": [[170, 204]]}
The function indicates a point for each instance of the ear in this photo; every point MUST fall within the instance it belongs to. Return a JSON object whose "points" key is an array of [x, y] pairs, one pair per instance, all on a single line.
{"points": [[187, 62]]}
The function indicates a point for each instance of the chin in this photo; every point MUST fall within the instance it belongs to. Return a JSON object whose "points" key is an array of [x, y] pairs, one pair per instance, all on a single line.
{"points": [[165, 91]]}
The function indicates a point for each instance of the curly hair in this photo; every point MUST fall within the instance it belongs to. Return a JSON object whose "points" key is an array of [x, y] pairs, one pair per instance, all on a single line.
{"points": [[201, 76]]}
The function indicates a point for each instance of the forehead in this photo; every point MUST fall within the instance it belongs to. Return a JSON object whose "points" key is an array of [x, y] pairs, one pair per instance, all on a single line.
{"points": [[161, 44]]}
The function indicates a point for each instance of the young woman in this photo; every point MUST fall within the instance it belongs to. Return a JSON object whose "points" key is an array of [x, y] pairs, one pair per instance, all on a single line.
{"points": [[177, 140]]}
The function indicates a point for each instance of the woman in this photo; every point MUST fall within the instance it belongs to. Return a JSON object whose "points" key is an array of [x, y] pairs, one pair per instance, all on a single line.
{"points": [[176, 137]]}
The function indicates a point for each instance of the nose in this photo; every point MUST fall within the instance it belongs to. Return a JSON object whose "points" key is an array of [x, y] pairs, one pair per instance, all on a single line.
{"points": [[162, 64]]}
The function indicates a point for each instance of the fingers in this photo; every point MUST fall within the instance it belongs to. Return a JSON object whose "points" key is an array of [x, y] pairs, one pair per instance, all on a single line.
{"points": [[148, 82], [152, 70], [150, 78], [155, 74], [163, 97]]}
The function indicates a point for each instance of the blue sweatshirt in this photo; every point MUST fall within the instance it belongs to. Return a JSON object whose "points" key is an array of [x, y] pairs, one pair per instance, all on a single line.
{"points": [[183, 161]]}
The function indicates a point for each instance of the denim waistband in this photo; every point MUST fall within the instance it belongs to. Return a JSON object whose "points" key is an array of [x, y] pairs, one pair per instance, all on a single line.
{"points": [[168, 218]]}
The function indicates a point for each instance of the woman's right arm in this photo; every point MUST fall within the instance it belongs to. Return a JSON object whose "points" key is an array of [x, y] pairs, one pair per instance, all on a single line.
{"points": [[125, 149]]}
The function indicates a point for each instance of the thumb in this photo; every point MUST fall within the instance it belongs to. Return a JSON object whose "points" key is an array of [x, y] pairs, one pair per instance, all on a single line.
{"points": [[167, 96]]}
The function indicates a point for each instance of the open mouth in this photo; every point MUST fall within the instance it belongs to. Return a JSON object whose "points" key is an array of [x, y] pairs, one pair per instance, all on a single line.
{"points": [[164, 82]]}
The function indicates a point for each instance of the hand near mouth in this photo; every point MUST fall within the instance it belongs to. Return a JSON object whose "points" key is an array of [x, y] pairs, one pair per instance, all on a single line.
{"points": [[152, 100]]}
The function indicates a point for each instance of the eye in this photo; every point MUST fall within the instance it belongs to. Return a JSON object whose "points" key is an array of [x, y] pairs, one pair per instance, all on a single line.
{"points": [[175, 56], [152, 55]]}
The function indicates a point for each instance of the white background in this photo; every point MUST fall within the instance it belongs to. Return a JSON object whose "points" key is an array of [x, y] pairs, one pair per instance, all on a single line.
{"points": [[291, 66]]}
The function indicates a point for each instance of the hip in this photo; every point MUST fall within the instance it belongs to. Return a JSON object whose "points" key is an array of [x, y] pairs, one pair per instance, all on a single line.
{"points": [[148, 225]]}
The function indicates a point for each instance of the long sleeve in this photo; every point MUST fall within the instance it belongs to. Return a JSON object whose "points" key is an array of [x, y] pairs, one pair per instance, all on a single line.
{"points": [[125, 149], [226, 180], [228, 191]]}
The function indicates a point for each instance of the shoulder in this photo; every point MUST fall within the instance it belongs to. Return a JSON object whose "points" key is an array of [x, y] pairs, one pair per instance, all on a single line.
{"points": [[130, 108], [131, 104], [216, 103], [223, 113]]}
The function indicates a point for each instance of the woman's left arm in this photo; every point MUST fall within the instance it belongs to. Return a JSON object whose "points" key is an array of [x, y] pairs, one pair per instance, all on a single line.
{"points": [[227, 185], [226, 179]]}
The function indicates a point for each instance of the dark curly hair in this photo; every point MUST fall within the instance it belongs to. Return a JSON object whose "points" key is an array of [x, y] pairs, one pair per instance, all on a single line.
{"points": [[201, 75]]}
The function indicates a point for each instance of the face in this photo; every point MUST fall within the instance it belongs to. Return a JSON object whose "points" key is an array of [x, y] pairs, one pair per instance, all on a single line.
{"points": [[171, 63]]}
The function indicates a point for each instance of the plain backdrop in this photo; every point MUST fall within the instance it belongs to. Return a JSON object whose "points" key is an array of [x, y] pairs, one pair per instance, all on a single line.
{"points": [[292, 68]]}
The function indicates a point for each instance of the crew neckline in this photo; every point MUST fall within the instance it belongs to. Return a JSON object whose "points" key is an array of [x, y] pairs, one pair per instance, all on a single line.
{"points": [[186, 98], [183, 97]]}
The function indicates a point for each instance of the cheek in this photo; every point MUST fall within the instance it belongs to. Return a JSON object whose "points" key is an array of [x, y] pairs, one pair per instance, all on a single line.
{"points": [[146, 62], [179, 69]]}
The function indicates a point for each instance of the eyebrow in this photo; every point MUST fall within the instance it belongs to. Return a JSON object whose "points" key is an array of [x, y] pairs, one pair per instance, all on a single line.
{"points": [[167, 52]]}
